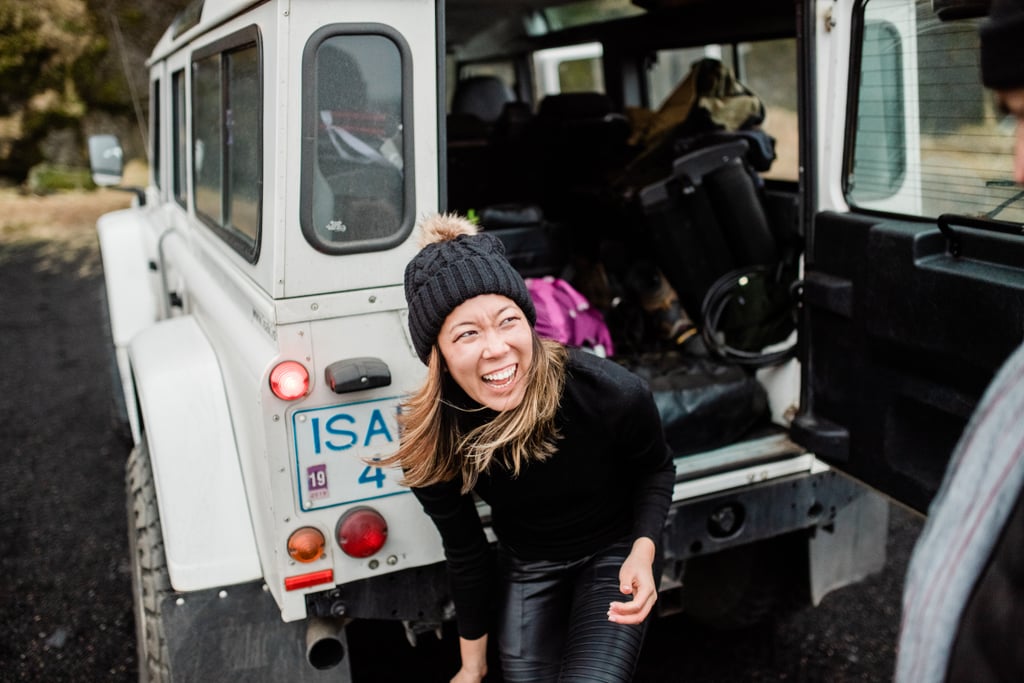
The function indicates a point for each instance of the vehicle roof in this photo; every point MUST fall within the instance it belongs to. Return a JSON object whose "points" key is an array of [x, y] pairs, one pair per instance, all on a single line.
{"points": [[473, 31], [480, 28]]}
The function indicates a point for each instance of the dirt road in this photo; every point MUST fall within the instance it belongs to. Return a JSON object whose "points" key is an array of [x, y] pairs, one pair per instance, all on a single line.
{"points": [[65, 601]]}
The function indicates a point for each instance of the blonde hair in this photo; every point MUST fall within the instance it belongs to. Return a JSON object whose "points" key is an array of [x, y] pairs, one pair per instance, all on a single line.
{"points": [[433, 449]]}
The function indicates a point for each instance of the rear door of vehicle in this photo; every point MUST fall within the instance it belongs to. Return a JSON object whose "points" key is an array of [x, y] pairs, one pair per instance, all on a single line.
{"points": [[914, 283]]}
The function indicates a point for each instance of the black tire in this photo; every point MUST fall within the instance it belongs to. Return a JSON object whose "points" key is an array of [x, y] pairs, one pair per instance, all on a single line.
{"points": [[150, 580]]}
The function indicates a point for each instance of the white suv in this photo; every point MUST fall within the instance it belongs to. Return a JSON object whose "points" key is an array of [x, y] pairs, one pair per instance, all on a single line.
{"points": [[837, 249]]}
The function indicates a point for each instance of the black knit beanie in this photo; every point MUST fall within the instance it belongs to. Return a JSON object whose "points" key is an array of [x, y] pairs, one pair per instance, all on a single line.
{"points": [[1002, 45], [454, 265]]}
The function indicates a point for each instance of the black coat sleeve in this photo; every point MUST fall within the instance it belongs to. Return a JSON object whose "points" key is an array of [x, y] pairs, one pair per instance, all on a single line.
{"points": [[467, 552], [649, 457]]}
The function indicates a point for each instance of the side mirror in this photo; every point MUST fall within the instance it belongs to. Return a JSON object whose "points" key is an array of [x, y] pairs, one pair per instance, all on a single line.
{"points": [[106, 160]]}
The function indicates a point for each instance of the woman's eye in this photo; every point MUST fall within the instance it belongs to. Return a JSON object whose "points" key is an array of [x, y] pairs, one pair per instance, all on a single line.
{"points": [[509, 320]]}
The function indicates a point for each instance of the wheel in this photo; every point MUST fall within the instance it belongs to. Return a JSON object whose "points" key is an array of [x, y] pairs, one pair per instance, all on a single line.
{"points": [[150, 580]]}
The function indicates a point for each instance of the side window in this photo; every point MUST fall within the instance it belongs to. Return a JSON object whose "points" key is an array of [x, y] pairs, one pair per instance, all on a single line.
{"points": [[576, 68], [356, 195], [669, 68], [179, 139], [768, 68], [226, 140], [928, 138], [155, 114]]}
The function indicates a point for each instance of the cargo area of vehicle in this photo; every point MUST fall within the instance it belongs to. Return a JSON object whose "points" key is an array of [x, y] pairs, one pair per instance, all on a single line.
{"points": [[689, 254]]}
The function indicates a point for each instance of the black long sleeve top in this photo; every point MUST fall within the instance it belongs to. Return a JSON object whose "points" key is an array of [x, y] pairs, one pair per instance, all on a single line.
{"points": [[610, 478]]}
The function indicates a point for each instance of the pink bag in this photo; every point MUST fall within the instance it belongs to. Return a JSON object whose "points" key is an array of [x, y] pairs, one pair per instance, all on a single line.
{"points": [[565, 315]]}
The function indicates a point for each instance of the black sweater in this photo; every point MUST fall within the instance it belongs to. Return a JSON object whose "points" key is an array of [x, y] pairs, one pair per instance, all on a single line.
{"points": [[610, 478]]}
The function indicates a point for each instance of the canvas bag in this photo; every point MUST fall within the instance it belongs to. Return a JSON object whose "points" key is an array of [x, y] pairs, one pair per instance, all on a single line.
{"points": [[565, 315]]}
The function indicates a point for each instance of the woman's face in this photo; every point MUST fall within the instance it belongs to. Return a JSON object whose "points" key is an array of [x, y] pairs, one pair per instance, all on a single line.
{"points": [[487, 344]]}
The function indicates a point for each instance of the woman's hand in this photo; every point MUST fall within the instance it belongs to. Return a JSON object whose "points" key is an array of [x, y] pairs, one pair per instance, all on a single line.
{"points": [[466, 676], [474, 660], [636, 578]]}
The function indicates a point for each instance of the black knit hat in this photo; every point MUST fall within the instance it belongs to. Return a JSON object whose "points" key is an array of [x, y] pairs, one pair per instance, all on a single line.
{"points": [[1002, 45], [454, 265]]}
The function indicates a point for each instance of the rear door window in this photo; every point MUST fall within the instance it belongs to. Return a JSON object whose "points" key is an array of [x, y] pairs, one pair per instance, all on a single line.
{"points": [[356, 195], [928, 137]]}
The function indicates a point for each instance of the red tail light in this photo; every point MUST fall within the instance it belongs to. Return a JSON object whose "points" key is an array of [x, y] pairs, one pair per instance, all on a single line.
{"points": [[361, 532], [289, 380]]}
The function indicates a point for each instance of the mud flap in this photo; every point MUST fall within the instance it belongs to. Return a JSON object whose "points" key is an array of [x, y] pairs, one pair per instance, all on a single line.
{"points": [[236, 634], [852, 547]]}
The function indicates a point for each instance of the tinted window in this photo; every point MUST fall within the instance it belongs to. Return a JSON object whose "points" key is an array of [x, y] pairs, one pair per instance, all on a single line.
{"points": [[154, 133], [227, 132], [928, 138], [354, 182], [207, 127], [179, 138]]}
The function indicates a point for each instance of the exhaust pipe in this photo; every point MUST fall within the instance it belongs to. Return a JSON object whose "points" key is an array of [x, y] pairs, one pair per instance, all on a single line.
{"points": [[325, 642]]}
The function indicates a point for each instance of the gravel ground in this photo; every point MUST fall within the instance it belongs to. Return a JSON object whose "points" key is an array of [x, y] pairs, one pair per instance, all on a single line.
{"points": [[65, 603]]}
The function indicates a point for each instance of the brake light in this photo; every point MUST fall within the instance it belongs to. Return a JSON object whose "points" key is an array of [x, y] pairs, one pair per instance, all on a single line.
{"points": [[306, 544], [289, 380], [361, 532]]}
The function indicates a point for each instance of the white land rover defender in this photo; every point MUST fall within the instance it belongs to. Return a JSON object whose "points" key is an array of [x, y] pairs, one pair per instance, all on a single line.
{"points": [[795, 216]]}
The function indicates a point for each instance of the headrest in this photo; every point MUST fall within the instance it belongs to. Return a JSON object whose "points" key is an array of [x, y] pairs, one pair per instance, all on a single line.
{"points": [[483, 96]]}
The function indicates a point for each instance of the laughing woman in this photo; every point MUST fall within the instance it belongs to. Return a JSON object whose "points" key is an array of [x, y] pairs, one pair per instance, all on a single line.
{"points": [[566, 448]]}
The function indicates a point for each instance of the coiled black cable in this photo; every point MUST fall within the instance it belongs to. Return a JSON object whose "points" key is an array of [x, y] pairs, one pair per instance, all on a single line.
{"points": [[724, 291]]}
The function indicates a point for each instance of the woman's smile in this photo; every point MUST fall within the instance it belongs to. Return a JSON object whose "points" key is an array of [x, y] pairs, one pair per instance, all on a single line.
{"points": [[501, 378], [487, 344]]}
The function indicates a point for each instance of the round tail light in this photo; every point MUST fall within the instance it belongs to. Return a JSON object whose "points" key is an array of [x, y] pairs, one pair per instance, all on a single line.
{"points": [[362, 532], [289, 380], [306, 544]]}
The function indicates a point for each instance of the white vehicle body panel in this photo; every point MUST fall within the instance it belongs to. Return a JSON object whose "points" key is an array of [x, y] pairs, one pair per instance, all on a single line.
{"points": [[208, 535]]}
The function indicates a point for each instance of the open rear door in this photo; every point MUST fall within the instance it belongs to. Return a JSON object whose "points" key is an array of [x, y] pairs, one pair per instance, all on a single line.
{"points": [[914, 285]]}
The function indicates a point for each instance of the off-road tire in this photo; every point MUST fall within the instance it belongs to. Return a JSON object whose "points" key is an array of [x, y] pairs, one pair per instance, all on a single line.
{"points": [[150, 581]]}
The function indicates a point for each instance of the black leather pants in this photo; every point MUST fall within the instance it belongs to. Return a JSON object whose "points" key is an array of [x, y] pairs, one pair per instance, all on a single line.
{"points": [[553, 623]]}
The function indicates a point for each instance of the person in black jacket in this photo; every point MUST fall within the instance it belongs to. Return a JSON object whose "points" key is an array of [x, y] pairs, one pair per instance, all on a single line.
{"points": [[566, 448], [963, 601]]}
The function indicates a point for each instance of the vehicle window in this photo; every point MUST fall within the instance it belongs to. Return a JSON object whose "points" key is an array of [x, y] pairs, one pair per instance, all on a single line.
{"points": [[928, 138], [154, 133], [769, 69], [354, 186], [226, 132], [179, 139], [669, 67], [575, 68], [580, 13]]}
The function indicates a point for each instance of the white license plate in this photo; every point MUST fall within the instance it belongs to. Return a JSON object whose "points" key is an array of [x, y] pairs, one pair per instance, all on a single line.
{"points": [[335, 448]]}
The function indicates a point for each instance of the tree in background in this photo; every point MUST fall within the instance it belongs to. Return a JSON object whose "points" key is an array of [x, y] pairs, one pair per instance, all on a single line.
{"points": [[69, 68]]}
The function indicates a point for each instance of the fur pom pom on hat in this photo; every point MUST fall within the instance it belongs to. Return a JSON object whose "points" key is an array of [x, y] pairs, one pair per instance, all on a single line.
{"points": [[456, 263], [1002, 45]]}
